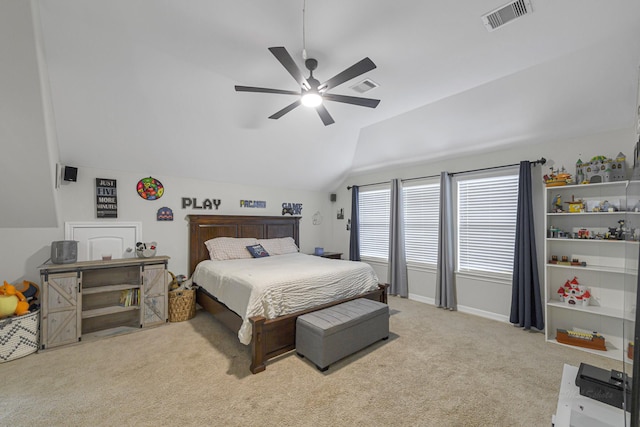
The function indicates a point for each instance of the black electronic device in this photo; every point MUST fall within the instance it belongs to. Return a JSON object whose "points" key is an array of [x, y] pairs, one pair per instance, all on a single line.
{"points": [[605, 386], [70, 174]]}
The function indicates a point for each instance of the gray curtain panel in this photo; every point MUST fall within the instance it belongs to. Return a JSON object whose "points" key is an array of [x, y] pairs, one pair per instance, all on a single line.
{"points": [[397, 272], [445, 282], [526, 303], [354, 236]]}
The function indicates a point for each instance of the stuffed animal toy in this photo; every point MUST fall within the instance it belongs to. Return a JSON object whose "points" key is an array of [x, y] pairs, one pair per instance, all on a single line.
{"points": [[8, 290], [31, 292], [146, 250]]}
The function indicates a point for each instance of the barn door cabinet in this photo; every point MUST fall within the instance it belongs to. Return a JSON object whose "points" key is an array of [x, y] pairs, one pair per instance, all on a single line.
{"points": [[93, 299]]}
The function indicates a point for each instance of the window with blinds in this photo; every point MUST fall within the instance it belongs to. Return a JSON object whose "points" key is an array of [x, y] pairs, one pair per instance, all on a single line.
{"points": [[487, 211], [421, 219], [374, 209]]}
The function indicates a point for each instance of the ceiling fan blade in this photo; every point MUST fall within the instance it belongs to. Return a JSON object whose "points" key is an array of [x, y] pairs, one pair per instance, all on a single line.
{"points": [[285, 110], [265, 90], [363, 102], [287, 62], [354, 71], [324, 115]]}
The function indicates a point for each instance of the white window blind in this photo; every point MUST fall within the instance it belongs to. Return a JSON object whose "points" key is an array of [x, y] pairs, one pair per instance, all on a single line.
{"points": [[421, 220], [487, 211], [374, 223]]}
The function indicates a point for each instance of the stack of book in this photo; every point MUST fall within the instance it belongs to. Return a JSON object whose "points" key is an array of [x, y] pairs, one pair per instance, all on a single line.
{"points": [[130, 297]]}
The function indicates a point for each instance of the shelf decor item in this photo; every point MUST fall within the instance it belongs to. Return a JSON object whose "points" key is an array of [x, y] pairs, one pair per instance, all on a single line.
{"points": [[602, 169], [573, 293], [557, 178], [592, 340], [146, 250], [575, 205]]}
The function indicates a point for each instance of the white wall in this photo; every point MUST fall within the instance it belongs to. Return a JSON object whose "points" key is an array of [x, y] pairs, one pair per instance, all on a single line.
{"points": [[485, 297], [28, 152], [24, 249]]}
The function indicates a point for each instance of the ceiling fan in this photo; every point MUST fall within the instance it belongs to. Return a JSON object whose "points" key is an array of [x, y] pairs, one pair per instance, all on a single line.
{"points": [[312, 93]]}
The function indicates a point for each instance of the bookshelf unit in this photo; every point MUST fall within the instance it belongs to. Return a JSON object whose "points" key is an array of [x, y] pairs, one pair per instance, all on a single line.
{"points": [[608, 267], [93, 299]]}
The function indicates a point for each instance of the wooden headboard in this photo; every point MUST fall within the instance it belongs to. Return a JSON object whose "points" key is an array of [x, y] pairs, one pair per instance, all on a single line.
{"points": [[205, 227]]}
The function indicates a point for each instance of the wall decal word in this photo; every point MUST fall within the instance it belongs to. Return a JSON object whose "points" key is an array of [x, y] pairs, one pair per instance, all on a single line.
{"points": [[106, 198], [164, 214], [192, 203], [253, 204], [292, 208], [150, 188]]}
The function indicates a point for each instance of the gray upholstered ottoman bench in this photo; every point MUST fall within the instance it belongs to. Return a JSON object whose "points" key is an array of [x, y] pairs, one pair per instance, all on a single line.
{"points": [[326, 336]]}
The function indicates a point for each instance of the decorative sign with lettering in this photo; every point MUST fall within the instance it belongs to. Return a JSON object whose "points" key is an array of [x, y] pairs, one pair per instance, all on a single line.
{"points": [[192, 203], [292, 208], [253, 204], [106, 198]]}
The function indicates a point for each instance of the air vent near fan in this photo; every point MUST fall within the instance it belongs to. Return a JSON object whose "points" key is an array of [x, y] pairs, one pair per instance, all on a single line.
{"points": [[365, 86], [507, 13]]}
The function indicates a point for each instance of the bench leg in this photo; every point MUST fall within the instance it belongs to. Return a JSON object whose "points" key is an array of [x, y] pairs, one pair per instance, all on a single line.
{"points": [[300, 355], [322, 369]]}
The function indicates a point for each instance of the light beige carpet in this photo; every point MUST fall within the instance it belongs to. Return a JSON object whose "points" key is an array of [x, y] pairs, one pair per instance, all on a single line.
{"points": [[439, 368]]}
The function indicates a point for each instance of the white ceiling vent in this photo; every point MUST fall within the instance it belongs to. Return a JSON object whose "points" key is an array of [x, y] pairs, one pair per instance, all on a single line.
{"points": [[365, 86], [507, 13]]}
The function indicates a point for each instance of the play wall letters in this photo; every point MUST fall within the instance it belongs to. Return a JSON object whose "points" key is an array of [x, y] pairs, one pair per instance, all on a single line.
{"points": [[192, 203]]}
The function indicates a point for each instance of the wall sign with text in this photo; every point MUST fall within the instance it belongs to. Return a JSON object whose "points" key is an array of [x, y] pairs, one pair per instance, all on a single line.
{"points": [[106, 198], [292, 208], [253, 204], [194, 203]]}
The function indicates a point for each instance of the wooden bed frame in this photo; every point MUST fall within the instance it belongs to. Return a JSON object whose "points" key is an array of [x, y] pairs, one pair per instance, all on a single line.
{"points": [[271, 337]]}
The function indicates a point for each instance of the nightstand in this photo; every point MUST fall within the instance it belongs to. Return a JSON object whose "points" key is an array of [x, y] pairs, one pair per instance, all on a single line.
{"points": [[332, 255]]}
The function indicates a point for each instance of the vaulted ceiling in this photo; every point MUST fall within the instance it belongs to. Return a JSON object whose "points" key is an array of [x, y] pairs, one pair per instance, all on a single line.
{"points": [[148, 85]]}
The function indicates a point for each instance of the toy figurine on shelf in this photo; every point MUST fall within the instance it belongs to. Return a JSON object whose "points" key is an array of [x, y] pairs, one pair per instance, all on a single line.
{"points": [[573, 293], [575, 205], [557, 178], [556, 204], [621, 231]]}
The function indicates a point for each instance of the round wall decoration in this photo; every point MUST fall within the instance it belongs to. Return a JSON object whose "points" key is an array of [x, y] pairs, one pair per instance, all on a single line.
{"points": [[150, 188]]}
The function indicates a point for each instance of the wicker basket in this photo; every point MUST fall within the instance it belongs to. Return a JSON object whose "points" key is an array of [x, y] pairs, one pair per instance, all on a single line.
{"points": [[182, 305], [19, 336]]}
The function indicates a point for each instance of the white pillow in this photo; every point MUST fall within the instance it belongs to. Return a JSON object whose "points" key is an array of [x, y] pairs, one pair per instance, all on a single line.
{"points": [[224, 248], [279, 246]]}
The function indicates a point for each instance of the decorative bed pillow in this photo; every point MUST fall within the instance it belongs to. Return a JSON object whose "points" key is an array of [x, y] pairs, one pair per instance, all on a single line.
{"points": [[279, 246], [257, 251], [224, 248]]}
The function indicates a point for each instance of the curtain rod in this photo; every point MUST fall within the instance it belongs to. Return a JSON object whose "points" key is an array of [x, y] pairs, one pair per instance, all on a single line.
{"points": [[541, 161]]}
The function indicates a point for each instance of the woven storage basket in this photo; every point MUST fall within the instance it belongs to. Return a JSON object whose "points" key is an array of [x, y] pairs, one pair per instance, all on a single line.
{"points": [[19, 336], [182, 305]]}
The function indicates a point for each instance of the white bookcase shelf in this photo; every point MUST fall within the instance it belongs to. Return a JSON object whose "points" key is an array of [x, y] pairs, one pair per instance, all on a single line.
{"points": [[611, 265]]}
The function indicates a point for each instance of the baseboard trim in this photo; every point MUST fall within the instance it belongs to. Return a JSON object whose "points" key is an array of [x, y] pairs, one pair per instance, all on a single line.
{"points": [[463, 309], [482, 313], [423, 299]]}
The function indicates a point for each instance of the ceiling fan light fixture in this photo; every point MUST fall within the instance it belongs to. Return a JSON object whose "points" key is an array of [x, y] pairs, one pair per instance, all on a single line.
{"points": [[311, 99]]}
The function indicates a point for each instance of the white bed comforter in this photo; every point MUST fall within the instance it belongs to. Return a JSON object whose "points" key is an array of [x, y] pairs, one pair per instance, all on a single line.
{"points": [[277, 285]]}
